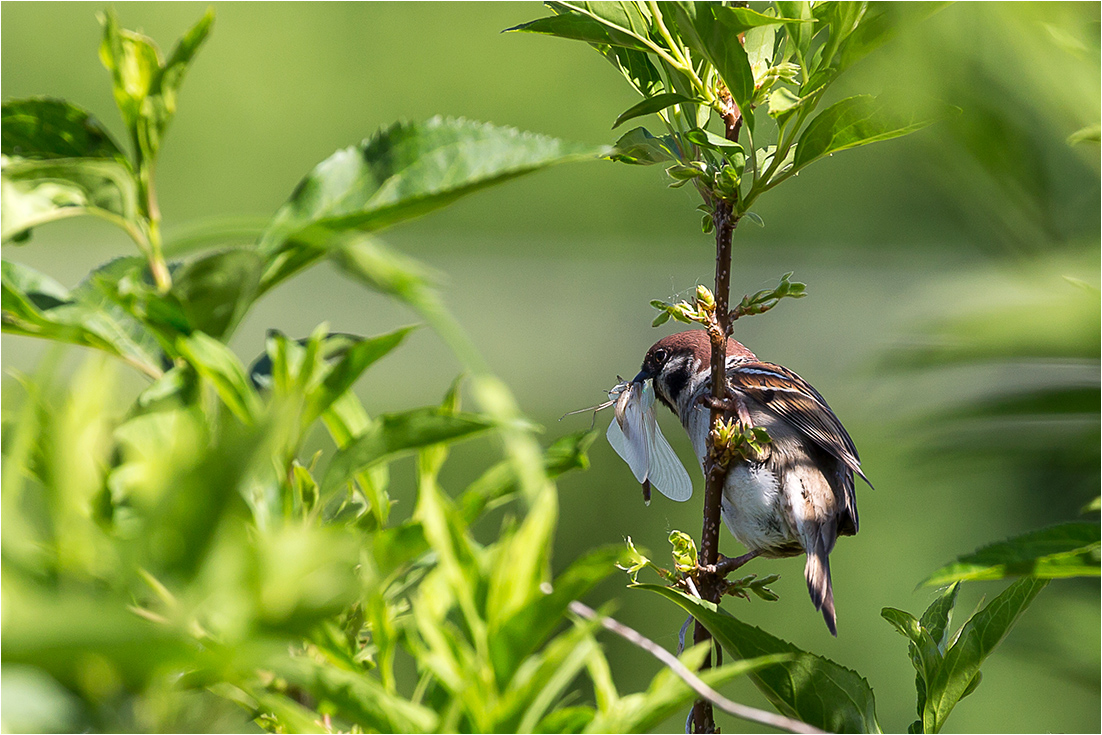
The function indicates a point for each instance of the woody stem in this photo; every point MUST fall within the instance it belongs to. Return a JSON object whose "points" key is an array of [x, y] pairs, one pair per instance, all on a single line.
{"points": [[716, 471]]}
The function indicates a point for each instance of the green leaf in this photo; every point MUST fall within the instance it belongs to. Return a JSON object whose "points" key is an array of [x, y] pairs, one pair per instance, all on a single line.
{"points": [[880, 22], [521, 564], [355, 697], [708, 139], [543, 677], [782, 103], [215, 362], [652, 104], [636, 68], [346, 419], [39, 632], [215, 291], [977, 639], [35, 305], [516, 636], [1066, 550], [626, 18], [578, 26], [936, 617], [1087, 134], [717, 43], [668, 694], [566, 720], [393, 435], [739, 20], [639, 147], [44, 128], [852, 122], [405, 171], [146, 87], [807, 687], [38, 191], [352, 364], [923, 648], [499, 485], [800, 31]]}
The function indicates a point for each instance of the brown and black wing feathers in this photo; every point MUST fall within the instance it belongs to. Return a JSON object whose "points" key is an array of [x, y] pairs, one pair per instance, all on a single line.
{"points": [[790, 397]]}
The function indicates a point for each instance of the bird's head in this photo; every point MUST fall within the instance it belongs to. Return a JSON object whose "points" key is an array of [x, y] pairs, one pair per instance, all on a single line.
{"points": [[679, 361]]}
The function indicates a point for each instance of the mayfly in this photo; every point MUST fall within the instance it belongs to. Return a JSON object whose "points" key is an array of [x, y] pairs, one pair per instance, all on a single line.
{"points": [[636, 437]]}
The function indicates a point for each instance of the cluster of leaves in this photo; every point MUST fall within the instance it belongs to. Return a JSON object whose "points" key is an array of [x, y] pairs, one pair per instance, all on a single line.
{"points": [[703, 310], [949, 669], [692, 61], [176, 563]]}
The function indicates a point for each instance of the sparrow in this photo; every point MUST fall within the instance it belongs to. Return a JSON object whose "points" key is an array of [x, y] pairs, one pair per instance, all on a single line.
{"points": [[798, 496]]}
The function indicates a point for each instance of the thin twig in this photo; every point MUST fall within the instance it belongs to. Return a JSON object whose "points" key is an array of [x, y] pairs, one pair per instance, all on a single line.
{"points": [[735, 709]]}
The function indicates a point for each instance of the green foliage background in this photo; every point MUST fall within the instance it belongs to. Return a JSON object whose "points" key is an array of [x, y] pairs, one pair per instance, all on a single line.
{"points": [[936, 268]]}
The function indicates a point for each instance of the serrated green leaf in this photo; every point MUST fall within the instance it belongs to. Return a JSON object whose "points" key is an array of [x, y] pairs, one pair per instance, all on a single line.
{"points": [[405, 171], [977, 639], [1066, 550], [808, 687], [38, 191], [45, 128], [35, 305]]}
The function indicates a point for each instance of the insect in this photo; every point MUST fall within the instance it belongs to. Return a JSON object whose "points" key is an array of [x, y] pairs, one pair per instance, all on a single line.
{"points": [[635, 435]]}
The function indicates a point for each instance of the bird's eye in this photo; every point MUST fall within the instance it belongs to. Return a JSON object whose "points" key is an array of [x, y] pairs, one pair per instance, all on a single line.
{"points": [[660, 355]]}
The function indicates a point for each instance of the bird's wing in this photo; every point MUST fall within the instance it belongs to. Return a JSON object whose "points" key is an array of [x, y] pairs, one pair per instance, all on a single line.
{"points": [[790, 397]]}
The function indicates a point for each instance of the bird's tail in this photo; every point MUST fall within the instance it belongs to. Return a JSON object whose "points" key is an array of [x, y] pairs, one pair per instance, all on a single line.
{"points": [[817, 573]]}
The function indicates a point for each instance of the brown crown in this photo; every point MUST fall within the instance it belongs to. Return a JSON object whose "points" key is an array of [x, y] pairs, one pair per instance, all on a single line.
{"points": [[696, 341]]}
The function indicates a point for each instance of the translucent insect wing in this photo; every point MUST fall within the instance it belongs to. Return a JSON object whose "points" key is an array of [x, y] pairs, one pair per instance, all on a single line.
{"points": [[627, 433], [667, 473]]}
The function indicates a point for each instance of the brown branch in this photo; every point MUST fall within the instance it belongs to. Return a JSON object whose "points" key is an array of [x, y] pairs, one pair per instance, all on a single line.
{"points": [[716, 472], [735, 709]]}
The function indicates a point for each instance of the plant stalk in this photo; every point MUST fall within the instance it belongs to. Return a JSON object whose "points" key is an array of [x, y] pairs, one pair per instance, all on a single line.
{"points": [[716, 474]]}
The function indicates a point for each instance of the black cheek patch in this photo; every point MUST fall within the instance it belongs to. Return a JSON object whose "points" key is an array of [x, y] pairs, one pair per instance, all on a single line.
{"points": [[677, 380]]}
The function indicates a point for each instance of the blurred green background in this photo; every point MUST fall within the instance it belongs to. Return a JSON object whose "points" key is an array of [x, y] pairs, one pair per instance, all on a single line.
{"points": [[938, 270]]}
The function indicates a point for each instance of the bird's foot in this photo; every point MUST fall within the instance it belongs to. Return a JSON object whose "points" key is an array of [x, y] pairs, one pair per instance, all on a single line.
{"points": [[728, 564], [728, 405]]}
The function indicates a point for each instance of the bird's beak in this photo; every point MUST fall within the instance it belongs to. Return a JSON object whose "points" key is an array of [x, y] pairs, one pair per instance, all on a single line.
{"points": [[642, 376]]}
